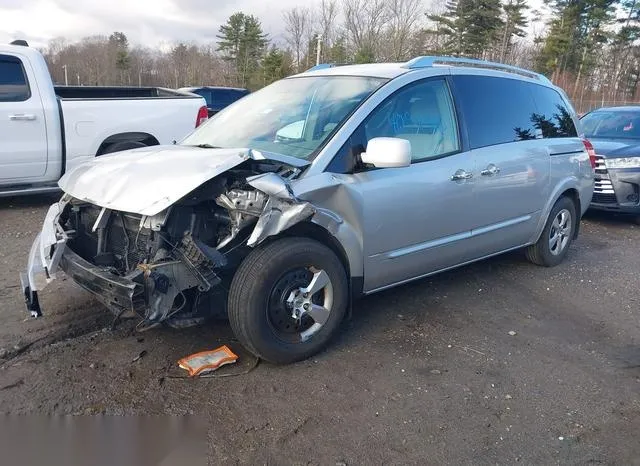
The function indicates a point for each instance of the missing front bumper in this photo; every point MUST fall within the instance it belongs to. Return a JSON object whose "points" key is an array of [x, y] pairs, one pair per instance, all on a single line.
{"points": [[148, 289], [117, 293]]}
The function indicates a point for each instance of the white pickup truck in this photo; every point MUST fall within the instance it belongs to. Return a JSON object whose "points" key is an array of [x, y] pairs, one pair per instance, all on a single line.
{"points": [[45, 130]]}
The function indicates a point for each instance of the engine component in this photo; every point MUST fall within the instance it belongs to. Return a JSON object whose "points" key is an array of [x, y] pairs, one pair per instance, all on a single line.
{"points": [[244, 209], [162, 292], [200, 259]]}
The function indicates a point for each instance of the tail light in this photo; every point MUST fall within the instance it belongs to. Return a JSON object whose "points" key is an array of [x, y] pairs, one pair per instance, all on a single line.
{"points": [[203, 115], [591, 151]]}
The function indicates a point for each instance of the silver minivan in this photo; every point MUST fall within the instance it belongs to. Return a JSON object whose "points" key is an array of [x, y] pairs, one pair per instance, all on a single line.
{"points": [[322, 187]]}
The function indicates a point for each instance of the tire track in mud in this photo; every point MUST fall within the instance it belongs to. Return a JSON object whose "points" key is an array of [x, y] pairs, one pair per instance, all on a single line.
{"points": [[63, 331]]}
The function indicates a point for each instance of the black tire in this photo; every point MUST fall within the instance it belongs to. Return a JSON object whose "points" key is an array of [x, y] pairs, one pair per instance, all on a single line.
{"points": [[636, 220], [124, 145], [541, 253], [252, 289]]}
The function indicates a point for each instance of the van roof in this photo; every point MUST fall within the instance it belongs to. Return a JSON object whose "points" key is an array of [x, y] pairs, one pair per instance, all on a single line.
{"points": [[393, 70]]}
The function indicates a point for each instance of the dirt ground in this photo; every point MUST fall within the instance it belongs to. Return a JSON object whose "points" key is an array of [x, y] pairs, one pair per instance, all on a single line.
{"points": [[428, 373]]}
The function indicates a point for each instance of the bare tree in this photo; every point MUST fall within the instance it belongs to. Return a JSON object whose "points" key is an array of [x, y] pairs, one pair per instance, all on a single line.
{"points": [[327, 18], [404, 16], [364, 21], [433, 38], [298, 25]]}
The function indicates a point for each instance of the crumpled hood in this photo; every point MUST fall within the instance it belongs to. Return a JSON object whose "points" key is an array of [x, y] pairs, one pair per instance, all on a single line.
{"points": [[148, 180]]}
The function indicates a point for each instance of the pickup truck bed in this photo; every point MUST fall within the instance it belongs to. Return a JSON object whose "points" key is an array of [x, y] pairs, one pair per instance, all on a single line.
{"points": [[46, 130], [117, 92]]}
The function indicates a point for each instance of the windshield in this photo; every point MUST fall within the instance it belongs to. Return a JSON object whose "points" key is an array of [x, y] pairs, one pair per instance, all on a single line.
{"points": [[290, 117], [610, 124]]}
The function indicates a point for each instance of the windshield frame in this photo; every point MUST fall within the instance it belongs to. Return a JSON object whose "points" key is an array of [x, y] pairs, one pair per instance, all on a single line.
{"points": [[381, 82]]}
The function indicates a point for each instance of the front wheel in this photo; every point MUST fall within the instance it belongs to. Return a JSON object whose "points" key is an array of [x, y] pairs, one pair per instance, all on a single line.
{"points": [[553, 244], [287, 299]]}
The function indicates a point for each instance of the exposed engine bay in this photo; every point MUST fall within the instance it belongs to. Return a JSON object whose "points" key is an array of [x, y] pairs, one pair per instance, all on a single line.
{"points": [[174, 266]]}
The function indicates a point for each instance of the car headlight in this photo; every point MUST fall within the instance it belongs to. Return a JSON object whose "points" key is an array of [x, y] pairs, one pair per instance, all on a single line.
{"points": [[623, 162]]}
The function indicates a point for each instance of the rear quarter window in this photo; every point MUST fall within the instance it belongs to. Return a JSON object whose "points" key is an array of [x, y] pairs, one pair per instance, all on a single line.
{"points": [[225, 97], [221, 96], [553, 116], [14, 86], [495, 110]]}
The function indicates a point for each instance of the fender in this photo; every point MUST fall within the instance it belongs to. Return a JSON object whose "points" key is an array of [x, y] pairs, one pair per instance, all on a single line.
{"points": [[325, 194], [346, 235], [569, 185]]}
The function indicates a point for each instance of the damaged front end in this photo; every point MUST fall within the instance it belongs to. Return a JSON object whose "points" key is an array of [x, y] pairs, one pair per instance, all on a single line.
{"points": [[166, 267]]}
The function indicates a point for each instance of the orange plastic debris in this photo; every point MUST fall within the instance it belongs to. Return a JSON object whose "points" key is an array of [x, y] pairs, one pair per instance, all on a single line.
{"points": [[207, 361]]}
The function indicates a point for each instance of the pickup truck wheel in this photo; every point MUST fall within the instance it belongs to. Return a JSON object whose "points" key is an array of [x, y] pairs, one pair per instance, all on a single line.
{"points": [[124, 145], [287, 299], [553, 244]]}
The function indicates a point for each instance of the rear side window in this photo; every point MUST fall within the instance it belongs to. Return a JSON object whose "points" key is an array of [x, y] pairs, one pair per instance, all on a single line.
{"points": [[14, 86], [223, 97], [496, 110], [553, 117]]}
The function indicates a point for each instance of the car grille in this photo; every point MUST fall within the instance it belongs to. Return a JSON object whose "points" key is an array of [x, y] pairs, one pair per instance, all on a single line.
{"points": [[604, 198], [603, 192], [601, 168]]}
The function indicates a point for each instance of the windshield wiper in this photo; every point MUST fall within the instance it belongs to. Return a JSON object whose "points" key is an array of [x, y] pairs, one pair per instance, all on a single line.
{"points": [[206, 146]]}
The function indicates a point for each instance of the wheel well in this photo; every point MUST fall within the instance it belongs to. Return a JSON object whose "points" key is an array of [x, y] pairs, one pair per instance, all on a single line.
{"points": [[575, 197], [316, 232], [145, 138]]}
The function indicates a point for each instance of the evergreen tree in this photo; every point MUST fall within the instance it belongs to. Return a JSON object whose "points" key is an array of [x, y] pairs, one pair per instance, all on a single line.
{"points": [[515, 22], [364, 54], [624, 60], [276, 64], [451, 27], [468, 27], [483, 21], [119, 47], [337, 53], [243, 42], [576, 30]]}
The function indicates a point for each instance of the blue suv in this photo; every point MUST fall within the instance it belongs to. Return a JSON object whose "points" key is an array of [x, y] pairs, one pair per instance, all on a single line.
{"points": [[217, 97]]}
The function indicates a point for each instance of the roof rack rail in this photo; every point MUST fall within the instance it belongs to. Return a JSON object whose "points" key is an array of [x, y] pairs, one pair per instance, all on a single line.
{"points": [[429, 61]]}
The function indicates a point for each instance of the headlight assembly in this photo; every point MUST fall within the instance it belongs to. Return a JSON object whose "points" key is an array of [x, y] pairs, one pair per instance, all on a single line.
{"points": [[623, 162]]}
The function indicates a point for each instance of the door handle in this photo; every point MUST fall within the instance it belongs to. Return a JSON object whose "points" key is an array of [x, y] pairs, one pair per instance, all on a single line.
{"points": [[22, 117], [490, 170], [461, 175]]}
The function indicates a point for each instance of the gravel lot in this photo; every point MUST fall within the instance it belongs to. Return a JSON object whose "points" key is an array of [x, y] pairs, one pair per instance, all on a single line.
{"points": [[496, 363]]}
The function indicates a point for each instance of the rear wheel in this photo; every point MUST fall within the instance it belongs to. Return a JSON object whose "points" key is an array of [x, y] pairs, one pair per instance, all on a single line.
{"points": [[553, 244], [287, 299]]}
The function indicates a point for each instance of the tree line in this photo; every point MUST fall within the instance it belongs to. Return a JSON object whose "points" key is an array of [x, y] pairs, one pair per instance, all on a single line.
{"points": [[589, 47]]}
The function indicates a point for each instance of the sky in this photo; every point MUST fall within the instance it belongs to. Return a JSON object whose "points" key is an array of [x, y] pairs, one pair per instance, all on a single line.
{"points": [[146, 22]]}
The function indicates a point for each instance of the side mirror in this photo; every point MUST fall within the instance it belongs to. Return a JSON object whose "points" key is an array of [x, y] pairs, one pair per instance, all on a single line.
{"points": [[292, 132], [387, 153]]}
